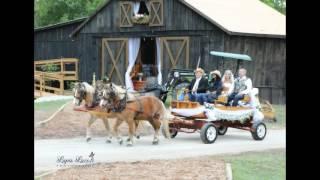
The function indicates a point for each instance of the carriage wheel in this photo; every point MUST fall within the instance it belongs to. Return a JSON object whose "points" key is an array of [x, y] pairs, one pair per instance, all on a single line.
{"points": [[208, 133], [259, 132], [222, 130], [173, 133]]}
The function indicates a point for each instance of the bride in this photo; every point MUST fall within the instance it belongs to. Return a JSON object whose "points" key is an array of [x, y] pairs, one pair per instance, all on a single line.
{"points": [[227, 83]]}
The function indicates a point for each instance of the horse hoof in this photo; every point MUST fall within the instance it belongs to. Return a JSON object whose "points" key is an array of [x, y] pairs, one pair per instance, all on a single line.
{"points": [[88, 139], [120, 142], [128, 139], [155, 142], [138, 136], [108, 141]]}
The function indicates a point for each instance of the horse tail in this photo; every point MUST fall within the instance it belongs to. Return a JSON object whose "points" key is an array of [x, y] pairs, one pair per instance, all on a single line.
{"points": [[166, 116]]}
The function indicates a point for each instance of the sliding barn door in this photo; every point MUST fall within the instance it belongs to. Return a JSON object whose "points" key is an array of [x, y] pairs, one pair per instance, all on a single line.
{"points": [[174, 54], [115, 59]]}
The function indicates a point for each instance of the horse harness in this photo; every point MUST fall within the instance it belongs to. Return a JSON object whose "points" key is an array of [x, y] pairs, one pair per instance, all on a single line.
{"points": [[122, 104]]}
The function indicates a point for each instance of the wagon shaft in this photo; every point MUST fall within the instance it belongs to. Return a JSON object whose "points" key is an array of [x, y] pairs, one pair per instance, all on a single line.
{"points": [[94, 111]]}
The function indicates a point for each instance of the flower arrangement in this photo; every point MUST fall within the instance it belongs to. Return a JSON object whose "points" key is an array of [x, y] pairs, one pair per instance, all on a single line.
{"points": [[140, 19]]}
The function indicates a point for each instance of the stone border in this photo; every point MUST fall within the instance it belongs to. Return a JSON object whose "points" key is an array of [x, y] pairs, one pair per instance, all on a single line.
{"points": [[229, 171]]}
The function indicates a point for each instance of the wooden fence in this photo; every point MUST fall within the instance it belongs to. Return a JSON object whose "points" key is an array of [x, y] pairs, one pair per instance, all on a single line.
{"points": [[64, 74]]}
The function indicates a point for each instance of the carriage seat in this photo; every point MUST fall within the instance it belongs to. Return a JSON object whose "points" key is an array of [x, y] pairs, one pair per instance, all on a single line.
{"points": [[222, 99]]}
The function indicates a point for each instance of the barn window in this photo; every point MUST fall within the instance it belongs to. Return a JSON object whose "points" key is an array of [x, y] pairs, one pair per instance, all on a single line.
{"points": [[156, 13], [125, 14], [143, 8], [140, 13]]}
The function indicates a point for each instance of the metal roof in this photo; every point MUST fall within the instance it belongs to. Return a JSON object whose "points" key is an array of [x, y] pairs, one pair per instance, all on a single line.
{"points": [[241, 17]]}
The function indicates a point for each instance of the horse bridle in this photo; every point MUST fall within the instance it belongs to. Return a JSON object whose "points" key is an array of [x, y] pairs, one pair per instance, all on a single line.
{"points": [[82, 93]]}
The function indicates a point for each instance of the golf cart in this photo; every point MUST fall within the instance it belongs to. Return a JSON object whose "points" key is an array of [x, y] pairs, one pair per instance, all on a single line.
{"points": [[179, 79]]}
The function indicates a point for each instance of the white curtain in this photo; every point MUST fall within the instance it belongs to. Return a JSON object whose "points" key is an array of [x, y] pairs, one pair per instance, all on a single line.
{"points": [[134, 45], [159, 61], [148, 6], [136, 6]]}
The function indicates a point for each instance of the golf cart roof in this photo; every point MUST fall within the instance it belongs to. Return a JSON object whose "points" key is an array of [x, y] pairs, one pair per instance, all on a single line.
{"points": [[231, 55]]}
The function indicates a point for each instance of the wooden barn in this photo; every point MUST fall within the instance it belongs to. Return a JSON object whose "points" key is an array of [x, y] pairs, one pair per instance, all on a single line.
{"points": [[126, 37]]}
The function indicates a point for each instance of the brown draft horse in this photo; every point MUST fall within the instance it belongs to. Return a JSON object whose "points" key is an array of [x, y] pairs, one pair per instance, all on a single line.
{"points": [[149, 108], [91, 96], [85, 92]]}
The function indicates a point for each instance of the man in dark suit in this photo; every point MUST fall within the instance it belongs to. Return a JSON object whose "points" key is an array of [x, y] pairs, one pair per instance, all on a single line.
{"points": [[198, 85]]}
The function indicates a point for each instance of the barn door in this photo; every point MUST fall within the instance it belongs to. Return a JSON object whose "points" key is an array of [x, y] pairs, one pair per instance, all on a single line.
{"points": [[115, 58], [174, 53]]}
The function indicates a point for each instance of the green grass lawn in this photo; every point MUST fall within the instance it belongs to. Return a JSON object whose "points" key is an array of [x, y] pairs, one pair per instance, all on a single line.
{"points": [[267, 165], [50, 105]]}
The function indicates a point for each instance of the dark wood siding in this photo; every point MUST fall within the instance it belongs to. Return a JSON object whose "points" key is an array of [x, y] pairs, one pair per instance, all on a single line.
{"points": [[267, 70], [55, 43]]}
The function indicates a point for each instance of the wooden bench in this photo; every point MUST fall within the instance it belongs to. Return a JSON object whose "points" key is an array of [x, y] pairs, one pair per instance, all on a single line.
{"points": [[184, 104], [224, 99]]}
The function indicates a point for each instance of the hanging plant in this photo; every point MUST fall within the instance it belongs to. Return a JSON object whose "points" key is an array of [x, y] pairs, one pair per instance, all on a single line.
{"points": [[140, 19]]}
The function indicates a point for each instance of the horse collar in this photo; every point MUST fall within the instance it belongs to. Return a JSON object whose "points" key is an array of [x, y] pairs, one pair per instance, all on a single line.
{"points": [[121, 104]]}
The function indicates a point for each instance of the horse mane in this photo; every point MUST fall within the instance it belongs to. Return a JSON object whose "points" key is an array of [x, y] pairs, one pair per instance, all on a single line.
{"points": [[88, 87], [122, 92], [118, 88]]}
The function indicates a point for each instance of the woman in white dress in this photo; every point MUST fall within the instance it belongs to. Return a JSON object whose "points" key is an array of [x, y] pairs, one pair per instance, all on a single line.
{"points": [[227, 83]]}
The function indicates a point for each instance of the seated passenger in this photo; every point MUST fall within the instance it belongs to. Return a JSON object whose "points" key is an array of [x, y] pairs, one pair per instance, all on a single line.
{"points": [[197, 86], [215, 88], [242, 86], [227, 83]]}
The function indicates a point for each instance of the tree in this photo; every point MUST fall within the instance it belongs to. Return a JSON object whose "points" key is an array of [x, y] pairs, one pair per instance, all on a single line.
{"points": [[56, 11], [279, 5]]}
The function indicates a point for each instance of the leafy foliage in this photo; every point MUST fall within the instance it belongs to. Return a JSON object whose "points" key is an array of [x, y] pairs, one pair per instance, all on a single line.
{"points": [[279, 5], [56, 11], [50, 68]]}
